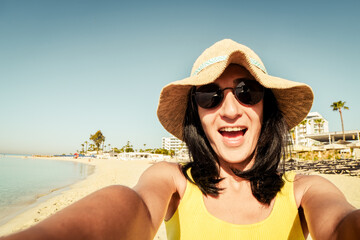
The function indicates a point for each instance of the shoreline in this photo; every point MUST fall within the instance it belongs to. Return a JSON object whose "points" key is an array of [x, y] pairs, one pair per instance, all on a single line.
{"points": [[106, 172], [42, 196], [45, 196]]}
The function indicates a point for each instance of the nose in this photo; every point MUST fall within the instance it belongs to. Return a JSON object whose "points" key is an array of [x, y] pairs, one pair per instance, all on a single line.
{"points": [[230, 107]]}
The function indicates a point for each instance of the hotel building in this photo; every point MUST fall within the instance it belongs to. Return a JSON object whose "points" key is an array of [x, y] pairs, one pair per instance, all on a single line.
{"points": [[175, 144], [313, 124]]}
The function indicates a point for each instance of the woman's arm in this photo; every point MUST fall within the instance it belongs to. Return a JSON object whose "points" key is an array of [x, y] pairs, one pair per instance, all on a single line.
{"points": [[115, 212], [327, 212], [157, 186], [349, 227]]}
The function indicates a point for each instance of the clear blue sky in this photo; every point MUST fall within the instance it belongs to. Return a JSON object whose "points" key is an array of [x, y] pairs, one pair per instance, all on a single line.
{"points": [[70, 68]]}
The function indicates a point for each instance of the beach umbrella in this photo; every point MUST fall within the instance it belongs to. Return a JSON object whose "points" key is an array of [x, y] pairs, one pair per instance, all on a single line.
{"points": [[354, 145], [342, 142], [335, 146]]}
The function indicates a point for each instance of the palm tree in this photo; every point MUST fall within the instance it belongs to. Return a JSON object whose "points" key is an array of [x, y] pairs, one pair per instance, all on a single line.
{"points": [[98, 138], [86, 144], [292, 136], [337, 106], [128, 147], [303, 124], [319, 123]]}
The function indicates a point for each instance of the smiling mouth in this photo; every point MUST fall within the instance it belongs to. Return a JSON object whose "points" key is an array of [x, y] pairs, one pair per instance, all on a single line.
{"points": [[232, 132]]}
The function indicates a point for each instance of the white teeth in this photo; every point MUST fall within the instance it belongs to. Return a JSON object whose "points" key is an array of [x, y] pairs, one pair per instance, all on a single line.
{"points": [[231, 129]]}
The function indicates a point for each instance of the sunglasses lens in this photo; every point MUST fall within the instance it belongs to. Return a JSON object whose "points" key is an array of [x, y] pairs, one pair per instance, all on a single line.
{"points": [[249, 92], [208, 96]]}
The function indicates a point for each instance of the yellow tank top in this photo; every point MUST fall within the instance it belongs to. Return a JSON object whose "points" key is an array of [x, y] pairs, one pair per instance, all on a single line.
{"points": [[192, 220]]}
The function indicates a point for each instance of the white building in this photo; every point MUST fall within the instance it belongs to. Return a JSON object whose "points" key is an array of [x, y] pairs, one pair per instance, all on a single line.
{"points": [[314, 123], [142, 156], [175, 144]]}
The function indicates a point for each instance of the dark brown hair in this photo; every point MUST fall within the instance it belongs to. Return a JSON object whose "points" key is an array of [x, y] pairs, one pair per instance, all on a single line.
{"points": [[264, 177]]}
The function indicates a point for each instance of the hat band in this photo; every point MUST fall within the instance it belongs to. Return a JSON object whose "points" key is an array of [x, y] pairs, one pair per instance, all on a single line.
{"points": [[209, 62], [223, 58], [257, 64]]}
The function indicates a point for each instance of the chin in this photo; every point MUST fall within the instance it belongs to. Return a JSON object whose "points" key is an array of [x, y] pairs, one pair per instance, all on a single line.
{"points": [[235, 159]]}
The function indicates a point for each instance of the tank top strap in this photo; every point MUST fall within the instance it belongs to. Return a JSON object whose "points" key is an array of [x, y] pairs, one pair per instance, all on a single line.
{"points": [[191, 191], [288, 188]]}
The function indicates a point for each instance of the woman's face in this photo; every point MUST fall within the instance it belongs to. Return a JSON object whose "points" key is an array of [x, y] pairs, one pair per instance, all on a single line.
{"points": [[232, 128]]}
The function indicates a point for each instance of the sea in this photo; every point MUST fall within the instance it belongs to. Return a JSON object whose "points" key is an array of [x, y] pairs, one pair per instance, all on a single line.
{"points": [[26, 181]]}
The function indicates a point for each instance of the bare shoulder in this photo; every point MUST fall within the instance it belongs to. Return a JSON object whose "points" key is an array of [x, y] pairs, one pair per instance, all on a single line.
{"points": [[165, 174], [174, 171], [304, 182], [156, 187], [165, 170], [309, 185]]}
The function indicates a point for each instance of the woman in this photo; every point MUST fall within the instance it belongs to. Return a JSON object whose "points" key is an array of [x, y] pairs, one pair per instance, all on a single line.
{"points": [[234, 118]]}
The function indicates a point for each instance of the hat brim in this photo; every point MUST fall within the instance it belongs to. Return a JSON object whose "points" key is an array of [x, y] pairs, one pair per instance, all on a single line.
{"points": [[294, 99]]}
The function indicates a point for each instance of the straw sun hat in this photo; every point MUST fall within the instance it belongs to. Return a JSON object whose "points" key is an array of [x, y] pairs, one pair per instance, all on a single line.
{"points": [[294, 98]]}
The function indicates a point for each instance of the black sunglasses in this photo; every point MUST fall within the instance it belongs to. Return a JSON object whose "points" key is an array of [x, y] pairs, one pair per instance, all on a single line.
{"points": [[246, 91]]}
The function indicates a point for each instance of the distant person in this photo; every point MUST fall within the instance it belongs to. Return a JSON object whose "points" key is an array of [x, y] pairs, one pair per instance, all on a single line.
{"points": [[234, 118]]}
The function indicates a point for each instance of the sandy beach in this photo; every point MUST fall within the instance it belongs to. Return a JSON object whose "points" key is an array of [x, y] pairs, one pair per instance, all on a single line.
{"points": [[110, 172]]}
